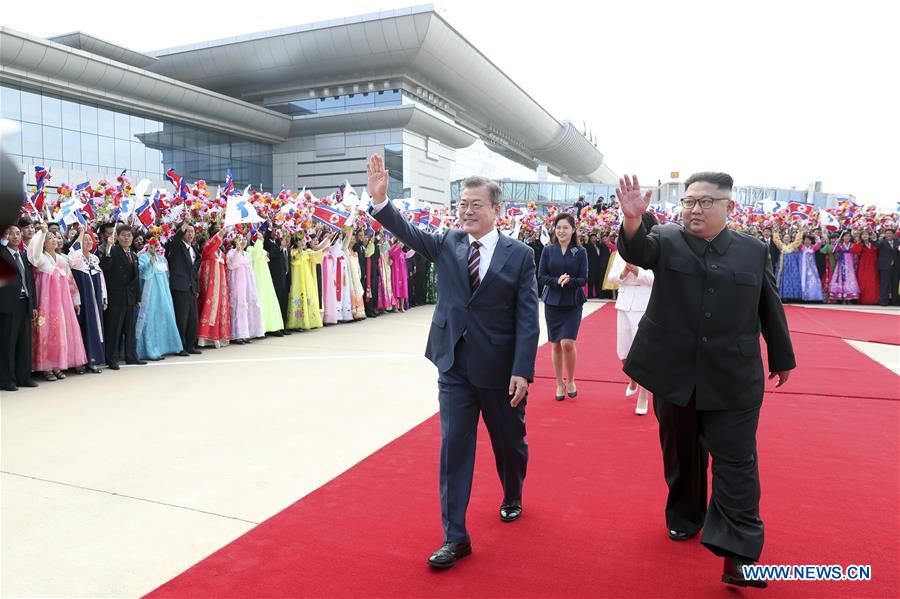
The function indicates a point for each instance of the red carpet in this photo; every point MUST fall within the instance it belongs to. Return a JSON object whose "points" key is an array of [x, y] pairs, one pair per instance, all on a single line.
{"points": [[593, 523], [845, 324]]}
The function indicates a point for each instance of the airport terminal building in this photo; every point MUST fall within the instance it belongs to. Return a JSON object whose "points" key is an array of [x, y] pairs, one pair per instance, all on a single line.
{"points": [[297, 106]]}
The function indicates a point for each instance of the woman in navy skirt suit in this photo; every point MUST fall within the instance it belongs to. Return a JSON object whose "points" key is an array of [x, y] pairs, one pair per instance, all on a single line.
{"points": [[562, 273]]}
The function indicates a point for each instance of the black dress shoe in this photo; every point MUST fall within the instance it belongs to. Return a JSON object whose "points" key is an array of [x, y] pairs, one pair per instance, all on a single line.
{"points": [[680, 535], [114, 366], [194, 352], [183, 354], [510, 512], [9, 387], [80, 370], [278, 334], [447, 555], [28, 384], [286, 332], [137, 363], [733, 573], [93, 369]]}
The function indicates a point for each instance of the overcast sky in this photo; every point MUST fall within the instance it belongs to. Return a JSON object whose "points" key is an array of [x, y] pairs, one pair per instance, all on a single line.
{"points": [[776, 93]]}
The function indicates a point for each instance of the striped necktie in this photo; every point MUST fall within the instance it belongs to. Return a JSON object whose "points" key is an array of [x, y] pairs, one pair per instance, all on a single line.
{"points": [[474, 262]]}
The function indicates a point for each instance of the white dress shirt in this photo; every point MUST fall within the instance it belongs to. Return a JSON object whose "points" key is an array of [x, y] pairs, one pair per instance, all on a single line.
{"points": [[486, 251], [191, 251]]}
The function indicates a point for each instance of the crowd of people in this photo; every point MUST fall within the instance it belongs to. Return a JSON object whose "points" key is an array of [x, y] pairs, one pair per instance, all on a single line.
{"points": [[110, 287], [94, 296]]}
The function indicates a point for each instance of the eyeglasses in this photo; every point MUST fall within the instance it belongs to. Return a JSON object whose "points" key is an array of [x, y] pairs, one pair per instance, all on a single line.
{"points": [[705, 202]]}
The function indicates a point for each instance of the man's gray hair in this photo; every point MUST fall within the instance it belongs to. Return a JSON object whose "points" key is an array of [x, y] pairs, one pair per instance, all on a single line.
{"points": [[492, 187]]}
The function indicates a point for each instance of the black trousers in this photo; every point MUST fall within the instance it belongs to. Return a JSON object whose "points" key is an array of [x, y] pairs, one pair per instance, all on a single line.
{"points": [[460, 405], [186, 318], [595, 284], [888, 283], [120, 320], [731, 523], [15, 344], [374, 281]]}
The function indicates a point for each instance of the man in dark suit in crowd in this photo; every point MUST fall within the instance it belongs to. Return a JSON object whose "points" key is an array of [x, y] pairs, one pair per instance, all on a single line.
{"points": [[774, 252], [579, 206], [277, 245], [598, 205], [183, 257], [420, 279], [17, 312], [123, 288], [598, 258], [888, 268], [537, 246], [483, 339], [697, 349]]}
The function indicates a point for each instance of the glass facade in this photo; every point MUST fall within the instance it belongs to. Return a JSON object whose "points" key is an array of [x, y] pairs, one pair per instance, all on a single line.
{"points": [[65, 134], [344, 103], [393, 162]]}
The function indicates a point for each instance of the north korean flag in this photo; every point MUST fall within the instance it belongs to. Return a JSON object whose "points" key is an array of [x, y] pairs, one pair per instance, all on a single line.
{"points": [[333, 218], [801, 210]]}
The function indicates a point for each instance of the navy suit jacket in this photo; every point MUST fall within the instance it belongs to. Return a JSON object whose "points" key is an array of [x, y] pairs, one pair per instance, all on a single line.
{"points": [[553, 265], [500, 319]]}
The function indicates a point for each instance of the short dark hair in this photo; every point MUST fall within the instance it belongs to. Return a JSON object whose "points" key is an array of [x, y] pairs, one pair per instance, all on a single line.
{"points": [[564, 216], [123, 228], [476, 181], [24, 221], [720, 180], [649, 220], [105, 226]]}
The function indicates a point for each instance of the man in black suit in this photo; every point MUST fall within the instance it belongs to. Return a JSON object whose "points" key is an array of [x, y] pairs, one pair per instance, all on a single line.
{"points": [[483, 340], [579, 206], [278, 246], [598, 258], [888, 267], [123, 288], [697, 349], [184, 281], [420, 280], [17, 311], [774, 252]]}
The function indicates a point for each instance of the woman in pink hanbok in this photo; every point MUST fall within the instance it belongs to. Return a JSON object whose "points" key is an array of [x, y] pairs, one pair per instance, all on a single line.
{"points": [[57, 341], [843, 286], [400, 275], [246, 313]]}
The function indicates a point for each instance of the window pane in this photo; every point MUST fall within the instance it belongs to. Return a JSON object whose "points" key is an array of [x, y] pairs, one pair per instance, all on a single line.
{"points": [[123, 126], [31, 107], [71, 115], [88, 118], [50, 110], [89, 155], [11, 142], [9, 103], [137, 125], [331, 104], [71, 146], [106, 122], [138, 160], [107, 148], [32, 140], [123, 153], [389, 97], [52, 143], [532, 192], [154, 162]]}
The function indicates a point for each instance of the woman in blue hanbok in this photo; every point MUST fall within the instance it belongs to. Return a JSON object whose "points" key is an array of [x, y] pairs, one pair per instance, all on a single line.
{"points": [[157, 332], [85, 267], [788, 269]]}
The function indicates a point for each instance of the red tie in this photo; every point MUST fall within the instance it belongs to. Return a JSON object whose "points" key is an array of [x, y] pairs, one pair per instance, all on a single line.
{"points": [[474, 262]]}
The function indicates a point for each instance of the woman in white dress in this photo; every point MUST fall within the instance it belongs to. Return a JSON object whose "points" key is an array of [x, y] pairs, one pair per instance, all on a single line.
{"points": [[635, 286]]}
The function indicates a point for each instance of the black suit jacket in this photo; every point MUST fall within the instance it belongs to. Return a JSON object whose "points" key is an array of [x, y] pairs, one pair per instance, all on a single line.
{"points": [[500, 319], [123, 281], [774, 252], [887, 253], [9, 293], [183, 273], [279, 264], [710, 301]]}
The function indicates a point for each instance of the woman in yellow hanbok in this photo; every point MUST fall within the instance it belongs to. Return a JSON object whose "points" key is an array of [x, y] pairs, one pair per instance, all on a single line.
{"points": [[303, 303]]}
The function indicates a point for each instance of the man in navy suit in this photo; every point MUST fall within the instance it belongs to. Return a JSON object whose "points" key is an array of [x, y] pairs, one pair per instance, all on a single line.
{"points": [[483, 339]]}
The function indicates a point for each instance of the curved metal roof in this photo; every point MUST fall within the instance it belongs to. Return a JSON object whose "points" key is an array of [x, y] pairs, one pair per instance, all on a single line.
{"points": [[415, 42], [38, 63]]}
